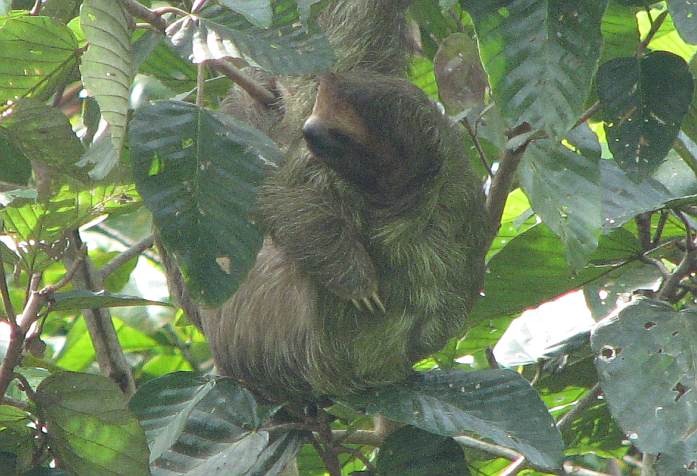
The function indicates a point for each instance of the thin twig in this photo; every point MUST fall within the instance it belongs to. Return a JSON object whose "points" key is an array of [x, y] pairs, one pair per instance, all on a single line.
{"points": [[169, 9], [515, 467], [588, 114], [643, 223], [140, 11], [6, 301], [477, 146], [13, 402], [254, 89], [690, 242], [655, 26], [670, 286], [662, 219], [135, 250], [581, 405], [358, 454], [67, 277], [490, 448]]}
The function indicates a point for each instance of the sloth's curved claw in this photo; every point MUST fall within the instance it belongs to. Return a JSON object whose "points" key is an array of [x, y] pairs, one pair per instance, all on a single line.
{"points": [[376, 299], [356, 304], [368, 304]]}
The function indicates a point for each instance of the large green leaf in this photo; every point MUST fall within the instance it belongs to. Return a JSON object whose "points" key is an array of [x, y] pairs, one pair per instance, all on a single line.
{"points": [[413, 452], [645, 356], [540, 56], [36, 53], [283, 49], [496, 404], [42, 133], [641, 120], [197, 172], [90, 427], [684, 13], [166, 65], [204, 426], [15, 168], [620, 31], [107, 65]]}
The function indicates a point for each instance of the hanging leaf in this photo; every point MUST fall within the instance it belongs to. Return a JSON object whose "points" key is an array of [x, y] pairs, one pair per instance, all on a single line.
{"points": [[184, 157], [81, 299], [107, 65], [540, 56], [496, 404], [641, 122], [90, 427], [36, 54]]}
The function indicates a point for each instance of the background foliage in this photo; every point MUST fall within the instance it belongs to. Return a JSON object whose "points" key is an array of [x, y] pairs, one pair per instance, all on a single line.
{"points": [[580, 355]]}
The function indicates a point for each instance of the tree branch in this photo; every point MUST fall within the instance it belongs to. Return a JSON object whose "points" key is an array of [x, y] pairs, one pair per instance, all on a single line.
{"points": [[135, 250], [110, 357], [140, 11], [254, 89], [581, 405]]}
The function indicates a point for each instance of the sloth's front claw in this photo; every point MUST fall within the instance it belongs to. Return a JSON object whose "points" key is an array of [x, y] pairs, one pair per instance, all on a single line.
{"points": [[376, 299]]}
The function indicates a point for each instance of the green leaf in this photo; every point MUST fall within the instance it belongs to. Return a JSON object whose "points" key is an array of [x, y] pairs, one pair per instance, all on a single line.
{"points": [[496, 404], [14, 166], [620, 31], [42, 133], [107, 65], [684, 16], [258, 12], [564, 190], [81, 299], [90, 427], [36, 53], [413, 452], [641, 120], [648, 351], [283, 49], [199, 425], [166, 65], [65, 10], [532, 269], [39, 227], [540, 56], [184, 158], [5, 7]]}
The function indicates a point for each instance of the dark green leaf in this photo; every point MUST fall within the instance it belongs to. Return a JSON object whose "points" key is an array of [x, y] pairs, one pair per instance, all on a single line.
{"points": [[540, 56], [413, 452], [648, 351], [90, 427], [166, 65], [684, 13], [641, 120], [197, 425], [15, 168], [496, 404], [36, 53], [107, 65], [81, 299], [64, 10], [184, 159], [258, 12], [42, 133], [285, 49]]}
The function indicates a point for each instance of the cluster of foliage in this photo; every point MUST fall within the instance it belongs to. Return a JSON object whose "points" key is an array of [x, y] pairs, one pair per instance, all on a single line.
{"points": [[108, 123]]}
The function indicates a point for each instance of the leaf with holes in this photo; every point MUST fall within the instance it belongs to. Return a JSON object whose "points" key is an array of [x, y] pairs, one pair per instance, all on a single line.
{"points": [[36, 53], [641, 121], [90, 427], [496, 404], [283, 49], [206, 426], [107, 65], [645, 359], [540, 56], [197, 172], [684, 14]]}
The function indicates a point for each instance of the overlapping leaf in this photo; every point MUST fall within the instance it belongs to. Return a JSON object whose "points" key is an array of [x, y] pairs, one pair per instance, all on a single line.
{"points": [[201, 426], [184, 159], [36, 53], [496, 404], [684, 13], [540, 56], [90, 427]]}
